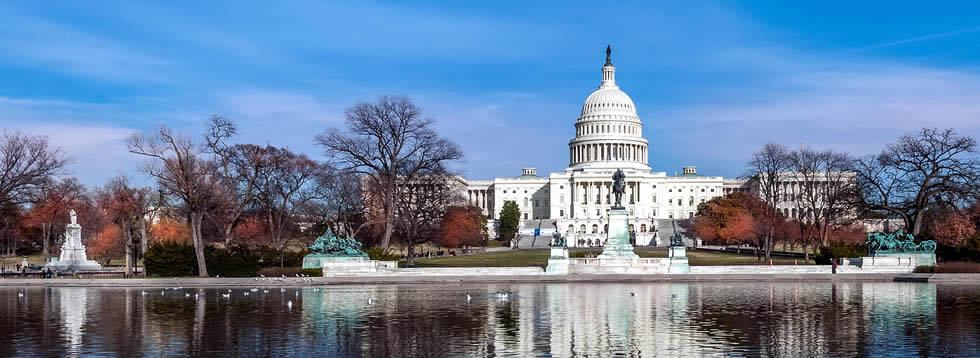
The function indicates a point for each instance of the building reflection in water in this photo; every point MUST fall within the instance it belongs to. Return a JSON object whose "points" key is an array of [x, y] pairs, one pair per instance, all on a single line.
{"points": [[585, 319]]}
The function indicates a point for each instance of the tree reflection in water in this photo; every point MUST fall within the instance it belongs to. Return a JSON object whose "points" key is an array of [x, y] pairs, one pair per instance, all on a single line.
{"points": [[642, 319]]}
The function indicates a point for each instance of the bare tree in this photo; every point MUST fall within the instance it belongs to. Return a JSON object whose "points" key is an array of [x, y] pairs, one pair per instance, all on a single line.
{"points": [[26, 162], [421, 204], [823, 182], [929, 169], [768, 167], [340, 201], [150, 204], [238, 168], [387, 141], [180, 170], [125, 206], [285, 186]]}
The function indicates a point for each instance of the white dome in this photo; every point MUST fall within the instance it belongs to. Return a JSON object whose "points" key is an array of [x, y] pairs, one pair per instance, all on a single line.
{"points": [[608, 134], [609, 100]]}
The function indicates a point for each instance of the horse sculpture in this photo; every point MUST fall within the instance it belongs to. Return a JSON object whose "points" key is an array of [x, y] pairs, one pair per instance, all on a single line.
{"points": [[899, 241], [330, 245]]}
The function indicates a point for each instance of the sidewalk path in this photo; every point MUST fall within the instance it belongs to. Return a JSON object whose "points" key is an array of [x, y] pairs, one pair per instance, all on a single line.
{"points": [[320, 281]]}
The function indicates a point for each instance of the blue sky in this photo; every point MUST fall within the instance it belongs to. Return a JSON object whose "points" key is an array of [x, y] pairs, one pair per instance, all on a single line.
{"points": [[712, 81]]}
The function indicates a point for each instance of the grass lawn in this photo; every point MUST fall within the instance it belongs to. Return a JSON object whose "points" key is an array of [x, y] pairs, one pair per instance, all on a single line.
{"points": [[539, 258], [518, 258]]}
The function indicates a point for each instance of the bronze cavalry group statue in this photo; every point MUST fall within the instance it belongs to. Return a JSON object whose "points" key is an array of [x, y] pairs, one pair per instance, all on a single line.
{"points": [[900, 241]]}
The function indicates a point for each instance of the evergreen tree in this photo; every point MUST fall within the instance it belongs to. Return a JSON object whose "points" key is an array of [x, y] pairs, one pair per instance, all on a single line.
{"points": [[510, 217]]}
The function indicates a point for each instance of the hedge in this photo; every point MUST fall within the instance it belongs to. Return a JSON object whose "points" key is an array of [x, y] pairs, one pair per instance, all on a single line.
{"points": [[175, 259]]}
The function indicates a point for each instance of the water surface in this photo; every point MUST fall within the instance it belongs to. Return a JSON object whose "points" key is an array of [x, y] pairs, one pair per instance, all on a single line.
{"points": [[598, 320]]}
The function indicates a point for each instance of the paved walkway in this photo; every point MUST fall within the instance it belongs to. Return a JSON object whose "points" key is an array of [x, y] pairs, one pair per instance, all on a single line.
{"points": [[318, 281]]}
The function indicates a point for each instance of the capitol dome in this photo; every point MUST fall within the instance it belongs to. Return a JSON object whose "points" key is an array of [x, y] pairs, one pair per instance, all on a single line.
{"points": [[608, 133]]}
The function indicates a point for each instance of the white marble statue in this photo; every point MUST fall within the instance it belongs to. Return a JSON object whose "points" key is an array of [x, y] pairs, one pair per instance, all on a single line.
{"points": [[73, 256]]}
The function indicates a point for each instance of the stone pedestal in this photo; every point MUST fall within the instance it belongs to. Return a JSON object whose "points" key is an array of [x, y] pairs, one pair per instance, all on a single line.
{"points": [[316, 261], [678, 260], [558, 261], [913, 258], [618, 245], [344, 266], [887, 262]]}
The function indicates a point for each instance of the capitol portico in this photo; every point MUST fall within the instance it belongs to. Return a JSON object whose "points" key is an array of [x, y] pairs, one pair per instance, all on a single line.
{"points": [[608, 136]]}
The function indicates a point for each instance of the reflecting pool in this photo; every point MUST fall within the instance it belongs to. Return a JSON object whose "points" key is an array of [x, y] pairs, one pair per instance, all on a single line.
{"points": [[650, 319]]}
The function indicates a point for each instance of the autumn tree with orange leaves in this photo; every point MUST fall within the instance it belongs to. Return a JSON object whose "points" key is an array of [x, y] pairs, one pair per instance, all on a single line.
{"points": [[736, 218], [106, 244], [953, 228], [170, 230], [463, 226]]}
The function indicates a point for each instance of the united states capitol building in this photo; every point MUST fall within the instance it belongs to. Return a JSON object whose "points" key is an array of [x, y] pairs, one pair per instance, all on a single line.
{"points": [[608, 136]]}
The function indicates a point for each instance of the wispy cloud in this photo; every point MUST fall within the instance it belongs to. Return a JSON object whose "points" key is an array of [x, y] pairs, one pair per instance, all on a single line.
{"points": [[927, 37], [40, 44]]}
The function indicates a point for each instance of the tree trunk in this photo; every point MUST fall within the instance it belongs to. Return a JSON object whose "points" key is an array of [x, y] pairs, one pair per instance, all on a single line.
{"points": [[196, 218], [918, 223], [228, 232], [410, 258], [806, 254], [389, 220], [129, 249], [144, 237], [46, 237]]}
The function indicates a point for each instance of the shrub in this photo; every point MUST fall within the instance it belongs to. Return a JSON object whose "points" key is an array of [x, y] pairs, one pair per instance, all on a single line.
{"points": [[170, 258], [289, 272], [269, 257], [312, 272], [950, 267], [924, 269], [380, 254], [840, 250], [236, 262], [970, 251], [582, 254]]}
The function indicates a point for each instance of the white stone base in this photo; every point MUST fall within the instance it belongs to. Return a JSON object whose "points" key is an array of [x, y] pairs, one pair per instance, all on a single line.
{"points": [[558, 261], [887, 264], [60, 265], [356, 267], [638, 266]]}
